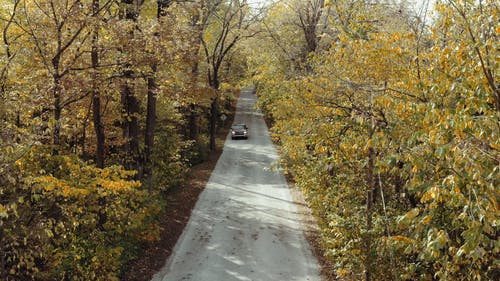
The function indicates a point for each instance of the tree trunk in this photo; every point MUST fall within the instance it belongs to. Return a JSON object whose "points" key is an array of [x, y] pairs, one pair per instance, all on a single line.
{"points": [[150, 124], [193, 116], [193, 122], [214, 106], [99, 130], [133, 129], [149, 136], [57, 113], [196, 43], [369, 213], [130, 103], [3, 272], [18, 119], [96, 98], [162, 7], [310, 15], [214, 112]]}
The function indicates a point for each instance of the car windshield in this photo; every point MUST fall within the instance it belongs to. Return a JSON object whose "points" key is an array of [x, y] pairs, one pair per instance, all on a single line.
{"points": [[239, 127]]}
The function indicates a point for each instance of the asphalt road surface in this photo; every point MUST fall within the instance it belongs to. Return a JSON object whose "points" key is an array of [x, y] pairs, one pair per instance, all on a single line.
{"points": [[244, 225]]}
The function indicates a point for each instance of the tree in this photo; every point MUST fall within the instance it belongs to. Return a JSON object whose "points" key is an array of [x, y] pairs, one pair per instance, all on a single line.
{"points": [[61, 216], [56, 47], [96, 99], [393, 136], [226, 24], [309, 14], [9, 53], [130, 102]]}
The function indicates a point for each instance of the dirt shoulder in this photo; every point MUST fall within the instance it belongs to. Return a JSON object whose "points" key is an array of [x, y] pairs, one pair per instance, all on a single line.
{"points": [[180, 202]]}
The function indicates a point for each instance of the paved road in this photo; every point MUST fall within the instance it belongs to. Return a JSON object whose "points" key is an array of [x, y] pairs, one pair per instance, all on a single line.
{"points": [[244, 225]]}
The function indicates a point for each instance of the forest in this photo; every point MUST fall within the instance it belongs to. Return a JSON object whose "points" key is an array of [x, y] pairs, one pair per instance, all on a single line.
{"points": [[386, 114]]}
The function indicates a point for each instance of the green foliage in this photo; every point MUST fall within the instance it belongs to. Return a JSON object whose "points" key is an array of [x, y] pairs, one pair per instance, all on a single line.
{"points": [[170, 164], [67, 220], [197, 151]]}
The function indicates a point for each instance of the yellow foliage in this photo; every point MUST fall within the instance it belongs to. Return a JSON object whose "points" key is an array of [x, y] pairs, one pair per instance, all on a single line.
{"points": [[401, 238], [427, 113]]}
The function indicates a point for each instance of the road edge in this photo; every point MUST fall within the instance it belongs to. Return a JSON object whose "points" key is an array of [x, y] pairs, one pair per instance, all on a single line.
{"points": [[180, 202]]}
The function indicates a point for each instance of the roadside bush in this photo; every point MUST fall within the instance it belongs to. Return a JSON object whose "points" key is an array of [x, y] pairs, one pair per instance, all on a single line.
{"points": [[169, 163], [198, 150], [62, 219]]}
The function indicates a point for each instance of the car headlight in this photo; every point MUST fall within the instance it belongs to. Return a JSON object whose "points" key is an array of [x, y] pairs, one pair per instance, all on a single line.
{"points": [[244, 132], [232, 132]]}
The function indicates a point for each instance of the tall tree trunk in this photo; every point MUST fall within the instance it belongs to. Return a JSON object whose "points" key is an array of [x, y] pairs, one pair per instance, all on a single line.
{"points": [[150, 124], [130, 125], [369, 213], [133, 107], [192, 109], [196, 44], [214, 106], [310, 13], [130, 103], [96, 98], [149, 136]]}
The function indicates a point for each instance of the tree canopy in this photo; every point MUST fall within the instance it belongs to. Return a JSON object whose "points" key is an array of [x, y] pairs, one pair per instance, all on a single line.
{"points": [[391, 126], [105, 104], [386, 114]]}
